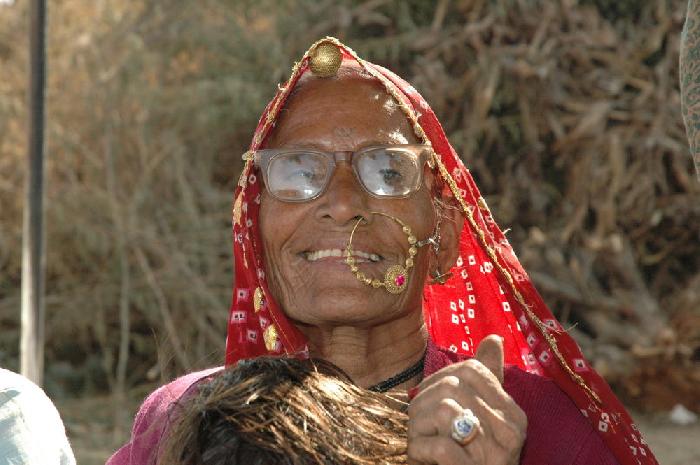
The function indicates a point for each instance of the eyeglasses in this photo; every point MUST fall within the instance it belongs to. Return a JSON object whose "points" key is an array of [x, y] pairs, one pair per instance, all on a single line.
{"points": [[300, 175]]}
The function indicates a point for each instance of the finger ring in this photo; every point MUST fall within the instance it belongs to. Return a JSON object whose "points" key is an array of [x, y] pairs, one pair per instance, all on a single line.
{"points": [[465, 427]]}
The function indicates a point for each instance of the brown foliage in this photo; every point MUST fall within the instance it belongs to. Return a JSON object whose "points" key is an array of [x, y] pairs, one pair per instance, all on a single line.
{"points": [[570, 124]]}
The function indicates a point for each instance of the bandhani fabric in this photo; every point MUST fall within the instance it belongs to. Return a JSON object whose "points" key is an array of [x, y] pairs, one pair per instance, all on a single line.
{"points": [[489, 292]]}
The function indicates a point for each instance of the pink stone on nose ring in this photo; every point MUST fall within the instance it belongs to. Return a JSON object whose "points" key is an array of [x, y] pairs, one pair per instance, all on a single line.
{"points": [[395, 280], [396, 276]]}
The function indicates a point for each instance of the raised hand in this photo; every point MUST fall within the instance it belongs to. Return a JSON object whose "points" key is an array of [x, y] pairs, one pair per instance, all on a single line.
{"points": [[476, 384]]}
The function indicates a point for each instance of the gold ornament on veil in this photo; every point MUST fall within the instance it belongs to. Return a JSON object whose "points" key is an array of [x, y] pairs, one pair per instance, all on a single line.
{"points": [[325, 59]]}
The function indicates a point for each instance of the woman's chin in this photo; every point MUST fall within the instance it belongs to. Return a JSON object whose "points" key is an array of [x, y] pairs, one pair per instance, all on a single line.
{"points": [[353, 305]]}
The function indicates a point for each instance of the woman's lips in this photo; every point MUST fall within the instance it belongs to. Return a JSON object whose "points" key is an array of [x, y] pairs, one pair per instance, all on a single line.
{"points": [[359, 255]]}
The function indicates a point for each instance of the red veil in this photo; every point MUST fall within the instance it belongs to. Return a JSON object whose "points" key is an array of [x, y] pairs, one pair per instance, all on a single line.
{"points": [[488, 293]]}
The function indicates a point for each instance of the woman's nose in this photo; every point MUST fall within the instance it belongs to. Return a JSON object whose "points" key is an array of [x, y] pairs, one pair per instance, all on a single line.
{"points": [[344, 199]]}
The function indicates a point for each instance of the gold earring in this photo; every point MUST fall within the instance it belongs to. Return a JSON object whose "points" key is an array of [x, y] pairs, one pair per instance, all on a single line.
{"points": [[396, 276]]}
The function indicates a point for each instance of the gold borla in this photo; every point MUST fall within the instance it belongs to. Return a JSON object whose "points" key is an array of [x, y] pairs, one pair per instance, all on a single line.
{"points": [[325, 59]]}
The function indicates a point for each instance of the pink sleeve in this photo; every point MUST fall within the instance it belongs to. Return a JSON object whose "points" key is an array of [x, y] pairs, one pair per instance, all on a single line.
{"points": [[151, 421]]}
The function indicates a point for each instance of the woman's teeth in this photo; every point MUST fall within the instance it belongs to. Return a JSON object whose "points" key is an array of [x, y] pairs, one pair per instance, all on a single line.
{"points": [[318, 254]]}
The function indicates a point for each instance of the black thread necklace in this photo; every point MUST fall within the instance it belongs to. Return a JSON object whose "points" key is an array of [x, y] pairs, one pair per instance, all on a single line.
{"points": [[399, 378]]}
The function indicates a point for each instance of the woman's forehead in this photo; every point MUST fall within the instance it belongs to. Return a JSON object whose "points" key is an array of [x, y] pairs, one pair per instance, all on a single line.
{"points": [[342, 109]]}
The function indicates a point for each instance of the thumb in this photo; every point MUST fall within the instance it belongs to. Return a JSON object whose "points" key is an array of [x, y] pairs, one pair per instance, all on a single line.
{"points": [[490, 354]]}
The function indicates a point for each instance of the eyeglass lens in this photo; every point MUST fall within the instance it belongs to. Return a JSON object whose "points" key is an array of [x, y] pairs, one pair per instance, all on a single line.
{"points": [[298, 176], [385, 172]]}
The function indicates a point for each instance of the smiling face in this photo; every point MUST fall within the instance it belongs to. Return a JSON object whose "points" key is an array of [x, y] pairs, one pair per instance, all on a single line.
{"points": [[304, 242]]}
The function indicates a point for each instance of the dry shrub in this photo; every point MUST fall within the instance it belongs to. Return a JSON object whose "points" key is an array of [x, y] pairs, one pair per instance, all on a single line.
{"points": [[567, 114], [143, 107]]}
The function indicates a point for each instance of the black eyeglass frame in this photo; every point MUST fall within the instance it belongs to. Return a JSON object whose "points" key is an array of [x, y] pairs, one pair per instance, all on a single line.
{"points": [[263, 158]]}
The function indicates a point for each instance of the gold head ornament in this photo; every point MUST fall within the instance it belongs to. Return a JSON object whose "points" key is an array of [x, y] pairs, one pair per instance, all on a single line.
{"points": [[325, 59]]}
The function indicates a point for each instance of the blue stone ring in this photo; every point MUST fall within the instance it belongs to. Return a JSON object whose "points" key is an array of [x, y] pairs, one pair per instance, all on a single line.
{"points": [[465, 427]]}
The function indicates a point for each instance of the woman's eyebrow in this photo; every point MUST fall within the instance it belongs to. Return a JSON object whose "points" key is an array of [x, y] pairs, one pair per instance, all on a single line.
{"points": [[321, 147], [302, 145]]}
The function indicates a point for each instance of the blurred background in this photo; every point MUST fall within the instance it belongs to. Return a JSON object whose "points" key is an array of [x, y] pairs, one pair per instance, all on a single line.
{"points": [[566, 111]]}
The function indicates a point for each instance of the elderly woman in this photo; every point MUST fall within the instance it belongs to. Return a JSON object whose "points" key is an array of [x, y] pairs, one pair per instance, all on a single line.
{"points": [[361, 239]]}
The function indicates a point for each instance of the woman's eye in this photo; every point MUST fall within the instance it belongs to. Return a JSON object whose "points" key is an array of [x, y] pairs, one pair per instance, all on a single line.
{"points": [[391, 176], [305, 175]]}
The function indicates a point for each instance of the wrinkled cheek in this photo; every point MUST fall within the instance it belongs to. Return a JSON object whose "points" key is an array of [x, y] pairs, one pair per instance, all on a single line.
{"points": [[275, 279], [285, 283]]}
